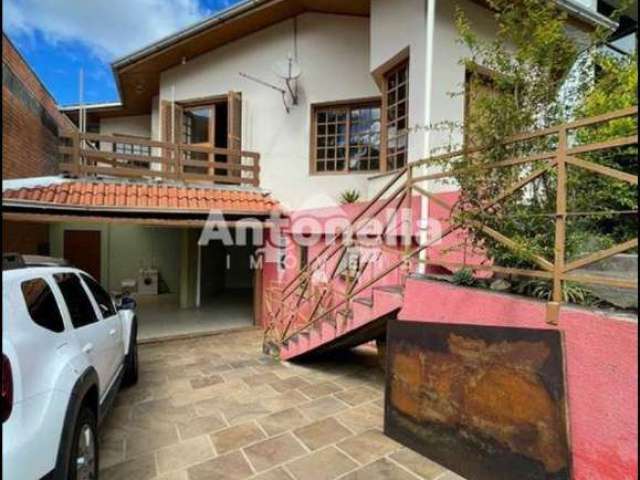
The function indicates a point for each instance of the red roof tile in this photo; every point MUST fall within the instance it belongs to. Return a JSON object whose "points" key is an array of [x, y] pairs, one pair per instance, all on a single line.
{"points": [[131, 196]]}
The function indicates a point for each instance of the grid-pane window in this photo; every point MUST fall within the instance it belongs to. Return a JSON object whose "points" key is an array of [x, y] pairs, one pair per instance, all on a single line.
{"points": [[132, 149], [347, 138], [397, 115], [331, 139], [364, 138]]}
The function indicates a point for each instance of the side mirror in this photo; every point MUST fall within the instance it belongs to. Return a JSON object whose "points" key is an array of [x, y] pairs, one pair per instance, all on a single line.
{"points": [[125, 303]]}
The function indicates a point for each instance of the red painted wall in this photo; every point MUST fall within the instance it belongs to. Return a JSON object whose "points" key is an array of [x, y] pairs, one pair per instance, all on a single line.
{"points": [[601, 365]]}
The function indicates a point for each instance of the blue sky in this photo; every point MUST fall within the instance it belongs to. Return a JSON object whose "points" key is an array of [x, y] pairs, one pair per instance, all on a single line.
{"points": [[59, 37]]}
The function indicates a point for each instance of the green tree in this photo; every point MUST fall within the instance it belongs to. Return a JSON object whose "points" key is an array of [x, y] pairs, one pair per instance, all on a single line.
{"points": [[534, 74]]}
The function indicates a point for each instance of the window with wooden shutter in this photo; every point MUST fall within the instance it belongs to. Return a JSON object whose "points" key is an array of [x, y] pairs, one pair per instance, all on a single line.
{"points": [[171, 128], [234, 122], [477, 87]]}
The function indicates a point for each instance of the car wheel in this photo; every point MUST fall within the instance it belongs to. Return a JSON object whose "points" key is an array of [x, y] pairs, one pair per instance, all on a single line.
{"points": [[131, 360], [84, 456]]}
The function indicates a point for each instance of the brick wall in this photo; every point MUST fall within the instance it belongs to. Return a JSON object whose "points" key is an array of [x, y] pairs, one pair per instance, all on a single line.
{"points": [[30, 120]]}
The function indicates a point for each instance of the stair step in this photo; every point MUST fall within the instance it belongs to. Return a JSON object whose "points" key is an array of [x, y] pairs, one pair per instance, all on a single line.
{"points": [[399, 289], [364, 301]]}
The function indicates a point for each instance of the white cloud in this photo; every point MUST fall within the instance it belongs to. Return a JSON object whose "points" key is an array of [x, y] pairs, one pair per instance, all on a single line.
{"points": [[110, 28]]}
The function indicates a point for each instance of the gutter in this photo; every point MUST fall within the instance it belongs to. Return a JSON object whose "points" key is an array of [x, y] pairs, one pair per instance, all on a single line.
{"points": [[31, 204], [586, 14], [89, 106]]}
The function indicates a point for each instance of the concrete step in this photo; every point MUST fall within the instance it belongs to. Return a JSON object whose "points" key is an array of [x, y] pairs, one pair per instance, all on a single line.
{"points": [[397, 289], [364, 301], [345, 313]]}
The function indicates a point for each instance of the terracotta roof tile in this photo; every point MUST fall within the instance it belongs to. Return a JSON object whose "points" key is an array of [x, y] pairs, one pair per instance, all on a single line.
{"points": [[137, 196]]}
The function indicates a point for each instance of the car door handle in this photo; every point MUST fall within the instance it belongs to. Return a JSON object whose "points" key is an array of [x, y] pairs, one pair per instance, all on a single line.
{"points": [[112, 332], [87, 348]]}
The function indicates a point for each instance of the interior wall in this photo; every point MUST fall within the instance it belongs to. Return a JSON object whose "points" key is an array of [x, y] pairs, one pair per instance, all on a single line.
{"points": [[239, 275], [133, 247], [125, 249], [138, 125], [213, 269]]}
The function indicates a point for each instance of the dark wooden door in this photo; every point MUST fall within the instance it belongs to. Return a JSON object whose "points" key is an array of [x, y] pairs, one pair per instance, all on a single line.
{"points": [[82, 250]]}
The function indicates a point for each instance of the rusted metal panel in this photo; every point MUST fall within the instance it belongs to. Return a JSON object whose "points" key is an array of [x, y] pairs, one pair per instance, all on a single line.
{"points": [[486, 402]]}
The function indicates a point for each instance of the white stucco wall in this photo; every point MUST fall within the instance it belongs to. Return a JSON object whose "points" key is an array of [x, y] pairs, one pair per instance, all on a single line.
{"points": [[138, 125], [333, 52], [396, 26], [448, 74]]}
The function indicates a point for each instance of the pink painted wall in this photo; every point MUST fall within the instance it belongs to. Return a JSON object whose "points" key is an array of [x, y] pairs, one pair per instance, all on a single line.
{"points": [[322, 223], [601, 365], [453, 247]]}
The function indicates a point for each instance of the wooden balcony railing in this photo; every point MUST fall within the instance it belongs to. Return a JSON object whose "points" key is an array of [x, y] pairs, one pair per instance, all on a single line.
{"points": [[86, 154]]}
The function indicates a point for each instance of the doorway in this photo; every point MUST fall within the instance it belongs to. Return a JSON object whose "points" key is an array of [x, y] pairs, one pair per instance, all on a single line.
{"points": [[82, 250], [205, 126], [227, 283], [213, 122]]}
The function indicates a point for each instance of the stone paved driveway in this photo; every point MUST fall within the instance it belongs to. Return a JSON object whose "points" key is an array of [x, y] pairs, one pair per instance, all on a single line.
{"points": [[215, 408]]}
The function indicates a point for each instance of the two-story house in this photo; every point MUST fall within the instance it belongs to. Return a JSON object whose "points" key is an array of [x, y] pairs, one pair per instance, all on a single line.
{"points": [[268, 105]]}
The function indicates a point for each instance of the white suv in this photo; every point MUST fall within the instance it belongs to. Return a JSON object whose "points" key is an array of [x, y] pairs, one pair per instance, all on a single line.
{"points": [[66, 349]]}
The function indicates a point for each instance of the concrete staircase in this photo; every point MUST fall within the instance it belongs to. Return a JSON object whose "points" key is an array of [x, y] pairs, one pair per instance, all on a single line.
{"points": [[364, 320]]}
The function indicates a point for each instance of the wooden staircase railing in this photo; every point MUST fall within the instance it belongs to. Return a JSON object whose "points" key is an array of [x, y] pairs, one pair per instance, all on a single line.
{"points": [[294, 310]]}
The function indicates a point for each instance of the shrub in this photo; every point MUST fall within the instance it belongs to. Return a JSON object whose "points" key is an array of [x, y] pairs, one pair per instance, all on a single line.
{"points": [[349, 196]]}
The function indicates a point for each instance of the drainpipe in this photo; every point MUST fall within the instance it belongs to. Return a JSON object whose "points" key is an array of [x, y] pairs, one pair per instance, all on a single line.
{"points": [[430, 20]]}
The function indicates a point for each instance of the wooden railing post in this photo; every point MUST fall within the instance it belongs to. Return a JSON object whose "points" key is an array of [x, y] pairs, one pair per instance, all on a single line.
{"points": [[177, 161], [256, 170], [553, 308]]}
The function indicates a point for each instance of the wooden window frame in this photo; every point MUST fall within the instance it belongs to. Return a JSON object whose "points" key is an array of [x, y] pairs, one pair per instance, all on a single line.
{"points": [[488, 77], [401, 63], [347, 106]]}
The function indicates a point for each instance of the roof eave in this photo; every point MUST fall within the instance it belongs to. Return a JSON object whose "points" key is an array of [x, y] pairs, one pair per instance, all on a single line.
{"points": [[198, 27]]}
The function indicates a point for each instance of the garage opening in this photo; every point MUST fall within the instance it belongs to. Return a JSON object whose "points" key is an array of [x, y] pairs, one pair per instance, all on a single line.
{"points": [[217, 292], [226, 280]]}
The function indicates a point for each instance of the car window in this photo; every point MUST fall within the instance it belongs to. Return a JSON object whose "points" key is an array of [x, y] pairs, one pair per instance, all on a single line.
{"points": [[41, 304], [80, 308], [103, 299]]}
